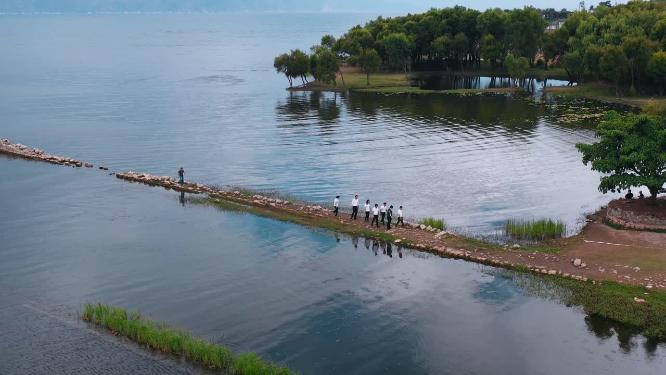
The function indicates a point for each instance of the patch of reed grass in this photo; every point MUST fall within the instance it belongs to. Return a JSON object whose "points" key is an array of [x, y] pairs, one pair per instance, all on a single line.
{"points": [[159, 336], [435, 223], [535, 229]]}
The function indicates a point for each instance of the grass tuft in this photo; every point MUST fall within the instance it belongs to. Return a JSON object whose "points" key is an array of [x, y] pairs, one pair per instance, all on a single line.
{"points": [[435, 223], [535, 229], [159, 336]]}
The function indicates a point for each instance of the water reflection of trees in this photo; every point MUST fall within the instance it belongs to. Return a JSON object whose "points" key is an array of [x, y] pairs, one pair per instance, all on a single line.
{"points": [[479, 110], [628, 337], [303, 105]]}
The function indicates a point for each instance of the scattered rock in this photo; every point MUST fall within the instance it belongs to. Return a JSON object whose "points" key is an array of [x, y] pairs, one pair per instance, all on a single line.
{"points": [[639, 300], [577, 262], [516, 246]]}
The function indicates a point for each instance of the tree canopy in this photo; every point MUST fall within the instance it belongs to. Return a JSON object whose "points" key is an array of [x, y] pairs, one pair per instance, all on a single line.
{"points": [[631, 152]]}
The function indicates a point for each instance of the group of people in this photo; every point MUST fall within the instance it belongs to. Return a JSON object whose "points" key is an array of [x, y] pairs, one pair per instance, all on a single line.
{"points": [[630, 195], [383, 211]]}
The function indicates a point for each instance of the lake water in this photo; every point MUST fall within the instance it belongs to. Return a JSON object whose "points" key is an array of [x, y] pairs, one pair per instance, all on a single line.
{"points": [[154, 92]]}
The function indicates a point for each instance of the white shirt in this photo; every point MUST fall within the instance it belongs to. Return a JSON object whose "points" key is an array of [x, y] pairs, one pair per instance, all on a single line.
{"points": [[399, 212], [355, 202], [382, 208], [336, 202], [367, 207], [375, 211]]}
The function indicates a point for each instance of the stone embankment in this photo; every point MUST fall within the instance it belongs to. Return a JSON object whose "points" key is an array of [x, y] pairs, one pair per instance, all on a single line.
{"points": [[412, 235], [25, 152], [637, 214]]}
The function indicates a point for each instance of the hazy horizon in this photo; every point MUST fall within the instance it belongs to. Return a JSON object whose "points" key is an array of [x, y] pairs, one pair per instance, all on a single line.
{"points": [[370, 6]]}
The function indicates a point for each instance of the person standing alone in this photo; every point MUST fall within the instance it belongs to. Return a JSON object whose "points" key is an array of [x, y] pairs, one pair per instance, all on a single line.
{"points": [[181, 175], [354, 214], [367, 210], [389, 217], [382, 211], [336, 205], [400, 217], [375, 215]]}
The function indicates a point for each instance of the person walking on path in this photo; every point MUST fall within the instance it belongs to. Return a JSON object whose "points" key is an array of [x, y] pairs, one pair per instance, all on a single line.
{"points": [[354, 214], [382, 210], [400, 217], [389, 217], [375, 215], [336, 205], [367, 210], [181, 175]]}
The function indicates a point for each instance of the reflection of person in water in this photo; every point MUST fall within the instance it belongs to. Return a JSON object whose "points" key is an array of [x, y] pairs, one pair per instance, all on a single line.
{"points": [[375, 246], [389, 250], [182, 198], [400, 252], [355, 242], [383, 246], [367, 243]]}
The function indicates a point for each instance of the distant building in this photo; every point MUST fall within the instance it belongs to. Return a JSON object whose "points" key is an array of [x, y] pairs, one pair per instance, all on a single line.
{"points": [[554, 26]]}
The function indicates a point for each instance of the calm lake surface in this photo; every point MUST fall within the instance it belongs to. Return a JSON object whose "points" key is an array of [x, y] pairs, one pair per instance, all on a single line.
{"points": [[154, 92]]}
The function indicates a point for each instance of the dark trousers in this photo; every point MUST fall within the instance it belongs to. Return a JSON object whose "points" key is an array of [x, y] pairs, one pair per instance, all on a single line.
{"points": [[375, 219], [400, 221], [181, 179], [388, 222], [354, 214], [335, 210], [383, 216], [367, 215]]}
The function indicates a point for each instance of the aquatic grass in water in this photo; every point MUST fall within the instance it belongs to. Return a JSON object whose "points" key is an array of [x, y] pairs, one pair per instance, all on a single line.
{"points": [[435, 223], [535, 229], [159, 336]]}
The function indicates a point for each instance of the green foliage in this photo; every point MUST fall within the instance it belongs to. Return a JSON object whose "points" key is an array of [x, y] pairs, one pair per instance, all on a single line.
{"points": [[516, 66], [435, 223], [398, 49], [324, 66], [572, 63], [657, 69], [160, 337], [369, 61], [294, 64], [631, 152], [535, 229], [613, 65]]}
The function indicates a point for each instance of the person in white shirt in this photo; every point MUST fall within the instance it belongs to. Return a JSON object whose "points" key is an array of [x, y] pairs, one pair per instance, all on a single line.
{"points": [[400, 217], [336, 205], [354, 214], [367, 210], [375, 215], [382, 210]]}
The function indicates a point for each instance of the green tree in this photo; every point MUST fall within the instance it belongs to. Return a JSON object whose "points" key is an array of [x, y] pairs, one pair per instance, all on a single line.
{"points": [[572, 63], [492, 49], [613, 65], [324, 66], [526, 28], [657, 69], [398, 49], [298, 65], [369, 61], [631, 152], [638, 50], [281, 64], [591, 60], [517, 67]]}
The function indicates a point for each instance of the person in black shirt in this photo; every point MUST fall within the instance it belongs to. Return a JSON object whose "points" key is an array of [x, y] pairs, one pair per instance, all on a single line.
{"points": [[629, 195], [389, 217], [181, 175]]}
